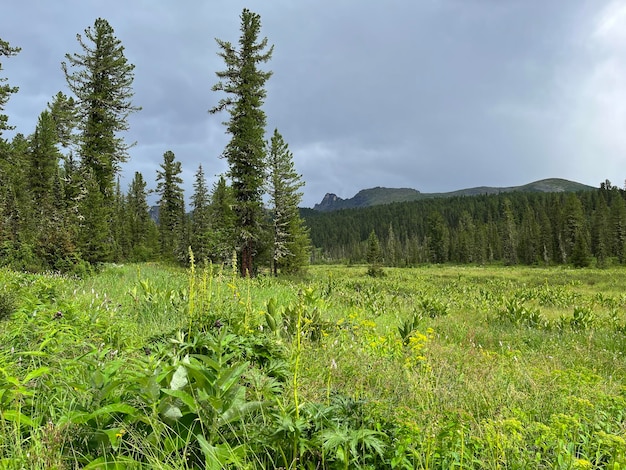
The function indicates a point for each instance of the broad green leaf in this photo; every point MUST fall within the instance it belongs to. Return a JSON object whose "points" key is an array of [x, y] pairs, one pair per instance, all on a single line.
{"points": [[36, 373], [18, 417], [179, 379], [184, 397], [217, 457], [114, 408], [232, 376], [172, 412]]}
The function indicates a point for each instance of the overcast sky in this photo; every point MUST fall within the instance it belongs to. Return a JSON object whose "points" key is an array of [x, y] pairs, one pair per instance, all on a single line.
{"points": [[436, 95]]}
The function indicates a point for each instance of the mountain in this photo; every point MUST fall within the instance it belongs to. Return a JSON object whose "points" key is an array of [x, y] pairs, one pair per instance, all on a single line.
{"points": [[378, 195]]}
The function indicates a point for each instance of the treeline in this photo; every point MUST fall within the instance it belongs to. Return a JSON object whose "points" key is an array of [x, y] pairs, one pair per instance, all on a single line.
{"points": [[580, 229], [61, 204]]}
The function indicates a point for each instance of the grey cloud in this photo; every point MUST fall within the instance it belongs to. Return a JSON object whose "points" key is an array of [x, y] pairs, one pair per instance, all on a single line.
{"points": [[435, 95]]}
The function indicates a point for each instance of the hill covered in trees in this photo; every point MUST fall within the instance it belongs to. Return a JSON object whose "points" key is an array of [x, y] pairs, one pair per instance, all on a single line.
{"points": [[531, 227], [378, 195]]}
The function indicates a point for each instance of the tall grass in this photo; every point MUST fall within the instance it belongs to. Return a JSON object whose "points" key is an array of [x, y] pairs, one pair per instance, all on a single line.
{"points": [[145, 366]]}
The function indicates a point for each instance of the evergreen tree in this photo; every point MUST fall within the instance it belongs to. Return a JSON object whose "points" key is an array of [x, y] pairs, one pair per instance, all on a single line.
{"points": [[200, 218], [54, 243], [618, 226], [438, 238], [171, 209], [243, 82], [509, 233], [95, 236], [140, 225], [44, 162], [574, 230], [101, 79], [374, 255], [466, 248], [102, 82], [5, 89], [120, 230], [600, 234], [290, 240], [63, 112], [222, 241], [529, 238]]}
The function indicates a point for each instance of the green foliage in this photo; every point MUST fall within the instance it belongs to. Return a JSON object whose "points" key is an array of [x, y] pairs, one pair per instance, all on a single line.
{"points": [[101, 78], [149, 366], [171, 209], [374, 256], [518, 314], [290, 238], [516, 227], [7, 304], [243, 82], [201, 218]]}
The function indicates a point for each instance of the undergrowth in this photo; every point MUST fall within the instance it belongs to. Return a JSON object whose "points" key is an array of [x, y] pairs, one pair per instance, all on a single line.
{"points": [[144, 366]]}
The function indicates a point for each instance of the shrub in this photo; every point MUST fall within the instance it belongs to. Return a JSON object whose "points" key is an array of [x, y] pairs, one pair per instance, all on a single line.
{"points": [[7, 304]]}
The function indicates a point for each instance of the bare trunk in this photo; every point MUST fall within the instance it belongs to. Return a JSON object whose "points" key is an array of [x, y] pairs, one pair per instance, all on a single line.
{"points": [[246, 261]]}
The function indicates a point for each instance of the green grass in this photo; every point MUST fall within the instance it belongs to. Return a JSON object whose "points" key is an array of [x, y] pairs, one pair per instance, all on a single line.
{"points": [[145, 366]]}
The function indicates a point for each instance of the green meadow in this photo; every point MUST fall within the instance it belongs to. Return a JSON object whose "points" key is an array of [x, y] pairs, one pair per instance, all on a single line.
{"points": [[437, 367]]}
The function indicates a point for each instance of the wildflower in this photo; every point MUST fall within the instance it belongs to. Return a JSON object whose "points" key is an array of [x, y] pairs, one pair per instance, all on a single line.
{"points": [[582, 464]]}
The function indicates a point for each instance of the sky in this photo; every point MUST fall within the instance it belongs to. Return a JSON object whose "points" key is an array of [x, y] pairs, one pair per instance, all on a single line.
{"points": [[435, 95]]}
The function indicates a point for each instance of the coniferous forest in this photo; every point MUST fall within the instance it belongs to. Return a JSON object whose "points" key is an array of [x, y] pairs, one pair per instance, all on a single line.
{"points": [[62, 207], [579, 229]]}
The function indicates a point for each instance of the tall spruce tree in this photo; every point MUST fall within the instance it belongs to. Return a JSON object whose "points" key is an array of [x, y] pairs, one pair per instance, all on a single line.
{"points": [[101, 79], [374, 256], [244, 84], [44, 164], [171, 209], [200, 218], [140, 225], [290, 239]]}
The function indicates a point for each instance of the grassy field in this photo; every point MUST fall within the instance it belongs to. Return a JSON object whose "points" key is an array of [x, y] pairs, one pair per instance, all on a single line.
{"points": [[144, 366]]}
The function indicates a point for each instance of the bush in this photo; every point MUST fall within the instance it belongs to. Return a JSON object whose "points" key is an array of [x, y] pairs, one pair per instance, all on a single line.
{"points": [[7, 304]]}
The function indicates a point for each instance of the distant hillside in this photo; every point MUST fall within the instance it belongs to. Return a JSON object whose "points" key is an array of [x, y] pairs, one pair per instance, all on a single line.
{"points": [[378, 195]]}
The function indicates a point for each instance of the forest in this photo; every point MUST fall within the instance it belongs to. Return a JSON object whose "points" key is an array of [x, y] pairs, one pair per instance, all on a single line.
{"points": [[578, 228], [62, 207]]}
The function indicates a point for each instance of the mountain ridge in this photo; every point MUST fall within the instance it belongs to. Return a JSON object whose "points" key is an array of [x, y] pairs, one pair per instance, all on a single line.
{"points": [[380, 195]]}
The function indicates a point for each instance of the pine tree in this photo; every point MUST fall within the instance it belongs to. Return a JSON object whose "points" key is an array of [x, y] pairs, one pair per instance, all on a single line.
{"points": [[222, 241], [44, 161], [140, 225], [618, 226], [101, 79], [509, 233], [244, 82], [438, 238], [374, 255], [200, 218], [95, 236], [63, 112], [5, 89], [171, 209], [290, 240], [102, 82]]}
